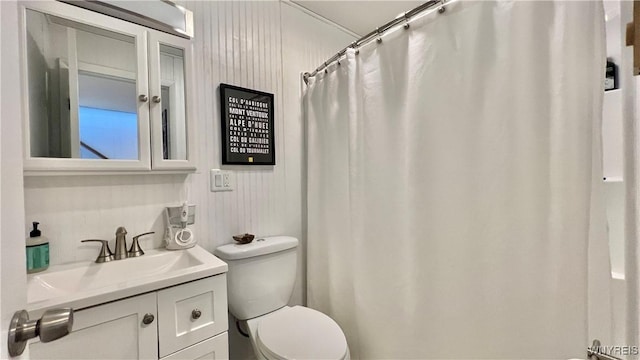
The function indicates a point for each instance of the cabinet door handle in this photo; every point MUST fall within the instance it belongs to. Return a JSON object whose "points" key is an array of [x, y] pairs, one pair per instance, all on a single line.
{"points": [[143, 98], [157, 99], [195, 314], [148, 318]]}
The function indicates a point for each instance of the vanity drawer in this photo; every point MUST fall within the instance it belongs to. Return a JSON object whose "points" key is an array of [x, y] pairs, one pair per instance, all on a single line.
{"points": [[215, 348], [191, 312]]}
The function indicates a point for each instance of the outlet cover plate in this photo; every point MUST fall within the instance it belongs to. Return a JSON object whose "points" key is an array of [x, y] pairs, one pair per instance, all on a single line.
{"points": [[222, 180]]}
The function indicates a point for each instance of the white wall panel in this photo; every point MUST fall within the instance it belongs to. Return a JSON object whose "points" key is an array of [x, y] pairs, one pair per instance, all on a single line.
{"points": [[259, 45], [240, 43], [73, 208]]}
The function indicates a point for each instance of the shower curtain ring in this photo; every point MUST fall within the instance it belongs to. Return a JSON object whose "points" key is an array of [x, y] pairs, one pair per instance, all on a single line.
{"points": [[354, 46], [441, 9], [342, 53], [406, 21], [379, 39]]}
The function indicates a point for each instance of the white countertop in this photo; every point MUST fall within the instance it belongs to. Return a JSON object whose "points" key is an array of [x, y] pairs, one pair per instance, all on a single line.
{"points": [[84, 284]]}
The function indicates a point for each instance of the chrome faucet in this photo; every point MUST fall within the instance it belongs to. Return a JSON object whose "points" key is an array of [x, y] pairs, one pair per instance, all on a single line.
{"points": [[121, 247], [121, 243]]}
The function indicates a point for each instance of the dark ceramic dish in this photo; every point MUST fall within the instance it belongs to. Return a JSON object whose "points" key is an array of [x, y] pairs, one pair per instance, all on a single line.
{"points": [[244, 238]]}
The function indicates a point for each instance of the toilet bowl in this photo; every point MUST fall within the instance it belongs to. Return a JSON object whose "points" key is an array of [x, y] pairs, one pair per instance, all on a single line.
{"points": [[297, 333], [259, 284]]}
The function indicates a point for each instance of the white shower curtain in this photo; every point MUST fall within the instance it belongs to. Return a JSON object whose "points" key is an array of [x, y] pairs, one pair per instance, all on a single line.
{"points": [[454, 176]]}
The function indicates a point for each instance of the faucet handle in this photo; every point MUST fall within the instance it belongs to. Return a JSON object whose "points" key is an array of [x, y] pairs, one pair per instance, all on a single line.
{"points": [[105, 252], [135, 249]]}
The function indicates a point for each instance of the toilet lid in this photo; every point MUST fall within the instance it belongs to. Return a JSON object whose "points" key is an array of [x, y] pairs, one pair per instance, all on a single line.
{"points": [[301, 333]]}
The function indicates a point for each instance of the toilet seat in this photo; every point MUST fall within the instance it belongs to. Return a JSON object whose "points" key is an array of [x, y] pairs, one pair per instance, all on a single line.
{"points": [[301, 333]]}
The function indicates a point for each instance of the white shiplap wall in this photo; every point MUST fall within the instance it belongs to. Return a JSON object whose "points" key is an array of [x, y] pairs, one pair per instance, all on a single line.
{"points": [[260, 45]]}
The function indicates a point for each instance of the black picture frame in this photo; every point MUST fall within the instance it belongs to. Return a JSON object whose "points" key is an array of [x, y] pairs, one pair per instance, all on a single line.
{"points": [[248, 133]]}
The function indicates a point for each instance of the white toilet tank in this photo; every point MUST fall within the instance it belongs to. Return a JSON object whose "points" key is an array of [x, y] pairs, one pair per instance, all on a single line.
{"points": [[261, 275]]}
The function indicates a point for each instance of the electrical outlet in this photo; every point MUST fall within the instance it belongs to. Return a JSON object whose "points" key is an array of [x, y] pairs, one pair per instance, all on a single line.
{"points": [[221, 180]]}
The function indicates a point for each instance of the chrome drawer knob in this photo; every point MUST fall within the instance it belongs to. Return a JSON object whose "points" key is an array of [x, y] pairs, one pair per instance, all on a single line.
{"points": [[143, 98], [157, 99], [148, 318], [195, 314]]}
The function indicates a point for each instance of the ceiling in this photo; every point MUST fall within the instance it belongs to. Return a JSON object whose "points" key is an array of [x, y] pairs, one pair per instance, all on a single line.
{"points": [[360, 17]]}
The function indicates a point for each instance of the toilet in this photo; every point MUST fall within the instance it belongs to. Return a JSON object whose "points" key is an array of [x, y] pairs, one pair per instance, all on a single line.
{"points": [[259, 283]]}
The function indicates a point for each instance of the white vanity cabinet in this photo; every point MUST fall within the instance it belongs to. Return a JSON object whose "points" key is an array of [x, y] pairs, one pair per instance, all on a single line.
{"points": [[186, 321], [102, 94], [110, 331], [191, 313]]}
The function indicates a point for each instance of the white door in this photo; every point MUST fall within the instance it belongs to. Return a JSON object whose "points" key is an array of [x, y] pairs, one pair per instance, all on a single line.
{"points": [[115, 330], [13, 295]]}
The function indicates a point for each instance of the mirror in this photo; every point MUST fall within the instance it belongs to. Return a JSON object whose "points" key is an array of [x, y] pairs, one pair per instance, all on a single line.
{"points": [[107, 117], [174, 131], [82, 90]]}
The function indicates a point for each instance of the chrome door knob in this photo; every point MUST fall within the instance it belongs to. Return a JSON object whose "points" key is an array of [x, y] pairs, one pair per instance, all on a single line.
{"points": [[157, 99], [148, 318], [143, 98], [195, 314], [53, 324]]}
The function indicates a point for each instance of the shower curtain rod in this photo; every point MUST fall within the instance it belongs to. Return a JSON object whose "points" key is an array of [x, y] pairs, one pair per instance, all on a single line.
{"points": [[377, 33]]}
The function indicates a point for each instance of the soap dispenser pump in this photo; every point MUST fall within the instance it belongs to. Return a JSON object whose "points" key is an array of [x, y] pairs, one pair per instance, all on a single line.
{"points": [[37, 251]]}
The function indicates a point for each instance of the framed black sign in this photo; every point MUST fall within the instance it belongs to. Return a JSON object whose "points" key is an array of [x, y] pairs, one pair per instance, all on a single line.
{"points": [[247, 126]]}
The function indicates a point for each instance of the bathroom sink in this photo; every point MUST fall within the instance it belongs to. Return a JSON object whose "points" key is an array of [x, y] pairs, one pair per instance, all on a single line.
{"points": [[84, 284]]}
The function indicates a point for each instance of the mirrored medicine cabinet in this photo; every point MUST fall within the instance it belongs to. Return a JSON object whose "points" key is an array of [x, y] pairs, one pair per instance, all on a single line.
{"points": [[102, 94]]}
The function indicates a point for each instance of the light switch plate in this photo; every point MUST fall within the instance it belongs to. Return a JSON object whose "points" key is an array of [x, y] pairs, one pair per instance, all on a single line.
{"points": [[222, 180]]}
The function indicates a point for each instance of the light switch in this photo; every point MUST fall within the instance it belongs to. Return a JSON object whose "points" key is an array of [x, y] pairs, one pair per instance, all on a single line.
{"points": [[221, 180]]}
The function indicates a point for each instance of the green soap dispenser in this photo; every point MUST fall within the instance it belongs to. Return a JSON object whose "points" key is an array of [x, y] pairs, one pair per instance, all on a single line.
{"points": [[37, 251]]}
